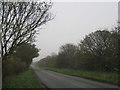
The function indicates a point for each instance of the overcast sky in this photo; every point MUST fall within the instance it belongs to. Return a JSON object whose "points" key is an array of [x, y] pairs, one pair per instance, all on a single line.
{"points": [[73, 21]]}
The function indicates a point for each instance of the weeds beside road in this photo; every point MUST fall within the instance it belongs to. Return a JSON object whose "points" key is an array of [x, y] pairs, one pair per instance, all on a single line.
{"points": [[26, 79]]}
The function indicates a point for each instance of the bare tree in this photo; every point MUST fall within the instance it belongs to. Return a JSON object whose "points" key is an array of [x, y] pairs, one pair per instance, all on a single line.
{"points": [[68, 49], [19, 21]]}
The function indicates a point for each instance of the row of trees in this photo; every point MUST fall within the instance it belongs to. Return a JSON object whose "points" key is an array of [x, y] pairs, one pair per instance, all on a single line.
{"points": [[19, 22], [98, 51]]}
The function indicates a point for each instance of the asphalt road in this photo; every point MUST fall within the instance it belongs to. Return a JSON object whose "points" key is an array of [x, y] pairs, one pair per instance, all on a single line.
{"points": [[57, 80]]}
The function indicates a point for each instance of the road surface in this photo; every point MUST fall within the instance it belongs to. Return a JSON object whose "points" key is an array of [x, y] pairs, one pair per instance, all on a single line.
{"points": [[57, 80]]}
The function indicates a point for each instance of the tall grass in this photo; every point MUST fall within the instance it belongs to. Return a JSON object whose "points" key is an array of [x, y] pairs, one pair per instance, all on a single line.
{"points": [[26, 79]]}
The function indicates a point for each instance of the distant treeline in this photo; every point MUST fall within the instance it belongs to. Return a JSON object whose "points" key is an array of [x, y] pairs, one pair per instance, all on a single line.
{"points": [[98, 51]]}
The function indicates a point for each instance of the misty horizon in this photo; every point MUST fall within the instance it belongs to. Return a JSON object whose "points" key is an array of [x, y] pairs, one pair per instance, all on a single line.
{"points": [[72, 22]]}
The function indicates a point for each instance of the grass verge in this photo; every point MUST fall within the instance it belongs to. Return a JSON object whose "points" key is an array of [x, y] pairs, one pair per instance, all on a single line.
{"points": [[26, 79], [98, 76]]}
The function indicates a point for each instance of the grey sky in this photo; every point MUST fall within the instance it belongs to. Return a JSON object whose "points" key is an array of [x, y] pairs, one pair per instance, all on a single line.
{"points": [[73, 21]]}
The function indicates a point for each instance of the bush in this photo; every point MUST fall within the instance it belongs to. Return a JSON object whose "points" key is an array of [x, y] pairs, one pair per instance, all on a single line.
{"points": [[13, 66]]}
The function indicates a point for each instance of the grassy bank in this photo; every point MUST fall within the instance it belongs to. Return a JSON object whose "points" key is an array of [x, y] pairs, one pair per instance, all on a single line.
{"points": [[98, 76], [26, 79]]}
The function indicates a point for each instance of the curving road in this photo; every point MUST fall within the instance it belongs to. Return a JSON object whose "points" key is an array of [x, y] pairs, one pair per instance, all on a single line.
{"points": [[57, 80]]}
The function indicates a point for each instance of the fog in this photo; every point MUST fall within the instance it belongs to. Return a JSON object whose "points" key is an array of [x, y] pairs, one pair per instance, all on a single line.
{"points": [[74, 20]]}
